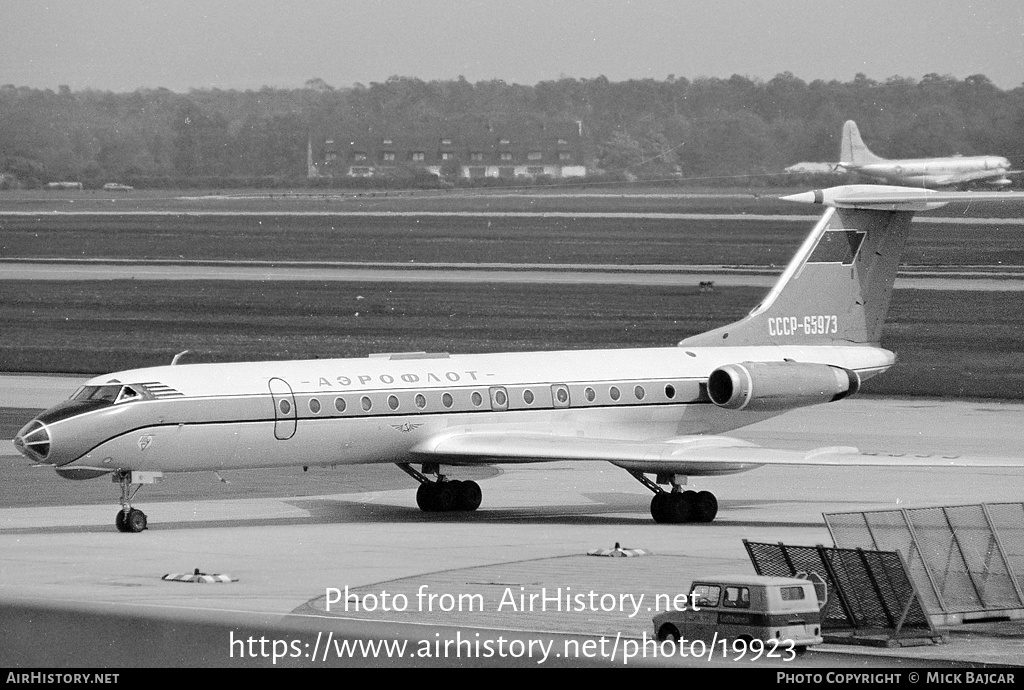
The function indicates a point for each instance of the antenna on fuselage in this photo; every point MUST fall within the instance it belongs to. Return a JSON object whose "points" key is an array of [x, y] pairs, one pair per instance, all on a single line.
{"points": [[178, 356]]}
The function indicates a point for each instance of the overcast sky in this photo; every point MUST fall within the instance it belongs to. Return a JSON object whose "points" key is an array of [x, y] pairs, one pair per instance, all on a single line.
{"points": [[122, 45]]}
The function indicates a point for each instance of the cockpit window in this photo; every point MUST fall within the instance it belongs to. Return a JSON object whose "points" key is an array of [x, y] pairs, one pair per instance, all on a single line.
{"points": [[109, 394], [99, 393], [127, 394]]}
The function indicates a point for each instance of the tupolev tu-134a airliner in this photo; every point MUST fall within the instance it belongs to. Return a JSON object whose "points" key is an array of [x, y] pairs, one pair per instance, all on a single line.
{"points": [[658, 413]]}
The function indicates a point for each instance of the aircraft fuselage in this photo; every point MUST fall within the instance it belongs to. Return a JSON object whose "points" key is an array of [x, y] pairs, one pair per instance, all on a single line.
{"points": [[377, 409], [938, 172]]}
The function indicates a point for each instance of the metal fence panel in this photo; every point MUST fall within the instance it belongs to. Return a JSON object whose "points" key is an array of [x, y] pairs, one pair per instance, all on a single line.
{"points": [[867, 589], [962, 558], [1007, 520]]}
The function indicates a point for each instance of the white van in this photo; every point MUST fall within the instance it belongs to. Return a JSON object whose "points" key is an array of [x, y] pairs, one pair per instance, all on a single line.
{"points": [[746, 607]]}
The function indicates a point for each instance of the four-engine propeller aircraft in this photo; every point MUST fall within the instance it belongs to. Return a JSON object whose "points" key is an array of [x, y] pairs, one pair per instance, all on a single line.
{"points": [[655, 412], [950, 171]]}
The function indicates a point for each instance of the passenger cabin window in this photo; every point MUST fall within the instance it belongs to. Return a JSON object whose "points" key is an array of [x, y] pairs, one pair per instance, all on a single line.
{"points": [[705, 595], [737, 597]]}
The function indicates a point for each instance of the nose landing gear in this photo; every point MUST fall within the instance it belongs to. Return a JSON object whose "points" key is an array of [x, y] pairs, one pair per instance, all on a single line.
{"points": [[130, 519]]}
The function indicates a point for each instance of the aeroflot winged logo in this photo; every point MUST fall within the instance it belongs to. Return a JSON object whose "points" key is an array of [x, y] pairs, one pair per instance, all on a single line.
{"points": [[407, 427]]}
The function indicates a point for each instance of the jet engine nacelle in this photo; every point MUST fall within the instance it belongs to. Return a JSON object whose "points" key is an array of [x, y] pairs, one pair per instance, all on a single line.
{"points": [[758, 386]]}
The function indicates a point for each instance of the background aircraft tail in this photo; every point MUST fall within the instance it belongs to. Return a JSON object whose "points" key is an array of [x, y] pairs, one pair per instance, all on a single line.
{"points": [[836, 289], [852, 149]]}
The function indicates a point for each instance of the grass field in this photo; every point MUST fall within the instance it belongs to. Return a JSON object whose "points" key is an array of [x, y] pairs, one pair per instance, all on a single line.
{"points": [[948, 344], [430, 239]]}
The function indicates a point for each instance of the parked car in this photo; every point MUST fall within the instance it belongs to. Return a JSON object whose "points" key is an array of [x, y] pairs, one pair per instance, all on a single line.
{"points": [[746, 607], [117, 187]]}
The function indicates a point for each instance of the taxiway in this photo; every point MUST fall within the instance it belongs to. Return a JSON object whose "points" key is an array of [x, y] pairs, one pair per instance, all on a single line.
{"points": [[312, 532]]}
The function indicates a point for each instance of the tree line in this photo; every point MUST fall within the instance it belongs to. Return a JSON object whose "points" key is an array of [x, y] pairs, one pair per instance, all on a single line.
{"points": [[735, 130]]}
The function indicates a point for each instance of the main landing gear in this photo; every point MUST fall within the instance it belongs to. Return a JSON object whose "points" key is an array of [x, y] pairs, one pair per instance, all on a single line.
{"points": [[678, 506], [445, 494], [130, 519]]}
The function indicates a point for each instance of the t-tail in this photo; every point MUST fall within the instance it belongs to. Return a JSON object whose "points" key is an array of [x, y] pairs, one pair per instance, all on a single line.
{"points": [[837, 288], [853, 150]]}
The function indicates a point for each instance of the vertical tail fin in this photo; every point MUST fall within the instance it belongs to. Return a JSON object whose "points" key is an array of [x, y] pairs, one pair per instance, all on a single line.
{"points": [[836, 289], [853, 150]]}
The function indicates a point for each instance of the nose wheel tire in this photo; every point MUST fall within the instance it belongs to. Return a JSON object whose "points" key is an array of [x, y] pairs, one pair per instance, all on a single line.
{"points": [[133, 521]]}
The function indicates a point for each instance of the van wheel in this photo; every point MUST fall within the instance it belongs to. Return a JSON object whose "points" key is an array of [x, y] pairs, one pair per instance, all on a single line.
{"points": [[668, 633]]}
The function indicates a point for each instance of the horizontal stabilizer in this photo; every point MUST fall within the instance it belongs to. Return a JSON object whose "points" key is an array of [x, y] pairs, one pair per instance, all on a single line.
{"points": [[691, 455], [891, 198]]}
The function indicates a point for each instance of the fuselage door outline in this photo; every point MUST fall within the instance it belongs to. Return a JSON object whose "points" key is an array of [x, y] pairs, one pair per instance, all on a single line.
{"points": [[285, 411]]}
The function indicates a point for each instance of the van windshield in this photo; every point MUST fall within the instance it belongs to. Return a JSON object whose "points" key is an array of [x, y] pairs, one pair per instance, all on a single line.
{"points": [[705, 595]]}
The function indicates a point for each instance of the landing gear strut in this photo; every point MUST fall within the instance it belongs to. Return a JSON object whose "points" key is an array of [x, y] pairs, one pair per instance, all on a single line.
{"points": [[130, 519], [678, 506], [444, 494]]}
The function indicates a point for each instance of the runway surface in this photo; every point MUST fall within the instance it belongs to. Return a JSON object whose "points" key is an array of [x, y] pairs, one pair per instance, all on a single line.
{"points": [[290, 537], [1008, 279]]}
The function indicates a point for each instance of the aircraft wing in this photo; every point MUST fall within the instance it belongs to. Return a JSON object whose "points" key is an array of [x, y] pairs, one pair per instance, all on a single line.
{"points": [[692, 455]]}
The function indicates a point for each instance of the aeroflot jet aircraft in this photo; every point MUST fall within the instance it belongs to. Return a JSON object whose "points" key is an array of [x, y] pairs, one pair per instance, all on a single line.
{"points": [[855, 156], [655, 412]]}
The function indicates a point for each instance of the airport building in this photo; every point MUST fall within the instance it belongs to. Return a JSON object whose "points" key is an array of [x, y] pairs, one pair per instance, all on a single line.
{"points": [[472, 151]]}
